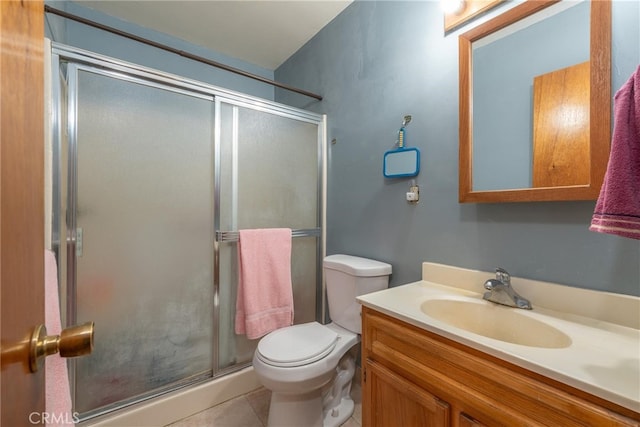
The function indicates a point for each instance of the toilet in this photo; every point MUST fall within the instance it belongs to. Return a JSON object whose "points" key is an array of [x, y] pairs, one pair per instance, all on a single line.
{"points": [[309, 367]]}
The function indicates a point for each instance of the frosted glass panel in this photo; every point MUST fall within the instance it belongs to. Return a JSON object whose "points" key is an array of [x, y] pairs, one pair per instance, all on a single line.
{"points": [[277, 171], [237, 348], [268, 178], [278, 186], [145, 208]]}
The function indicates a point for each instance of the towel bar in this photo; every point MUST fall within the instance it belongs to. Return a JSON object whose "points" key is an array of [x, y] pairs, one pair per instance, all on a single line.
{"points": [[234, 236]]}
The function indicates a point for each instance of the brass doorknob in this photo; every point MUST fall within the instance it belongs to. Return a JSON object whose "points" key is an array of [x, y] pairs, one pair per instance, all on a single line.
{"points": [[72, 342]]}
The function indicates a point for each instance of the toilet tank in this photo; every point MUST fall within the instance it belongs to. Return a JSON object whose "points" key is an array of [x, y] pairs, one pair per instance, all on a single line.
{"points": [[346, 277]]}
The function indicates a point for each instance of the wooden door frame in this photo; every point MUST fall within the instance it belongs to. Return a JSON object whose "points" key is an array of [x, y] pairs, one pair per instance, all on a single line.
{"points": [[21, 206]]}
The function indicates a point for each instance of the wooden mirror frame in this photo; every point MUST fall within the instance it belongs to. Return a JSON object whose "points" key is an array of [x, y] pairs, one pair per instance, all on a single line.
{"points": [[599, 111]]}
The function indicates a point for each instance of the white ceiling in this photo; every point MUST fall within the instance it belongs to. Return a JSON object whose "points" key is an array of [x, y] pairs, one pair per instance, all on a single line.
{"points": [[262, 32]]}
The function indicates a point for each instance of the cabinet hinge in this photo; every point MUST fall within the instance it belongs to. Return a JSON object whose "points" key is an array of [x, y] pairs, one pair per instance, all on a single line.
{"points": [[364, 375]]}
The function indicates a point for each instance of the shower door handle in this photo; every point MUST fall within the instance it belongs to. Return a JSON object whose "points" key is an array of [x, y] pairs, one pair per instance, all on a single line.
{"points": [[79, 239], [73, 341]]}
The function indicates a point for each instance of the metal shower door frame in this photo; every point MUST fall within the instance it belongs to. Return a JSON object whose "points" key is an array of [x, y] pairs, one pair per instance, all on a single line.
{"points": [[76, 60]]}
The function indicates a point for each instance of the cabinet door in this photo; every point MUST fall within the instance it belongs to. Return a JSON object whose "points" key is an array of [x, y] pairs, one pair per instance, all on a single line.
{"points": [[390, 400]]}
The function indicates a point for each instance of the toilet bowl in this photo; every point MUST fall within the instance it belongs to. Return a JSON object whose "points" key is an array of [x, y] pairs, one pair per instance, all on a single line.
{"points": [[309, 367]]}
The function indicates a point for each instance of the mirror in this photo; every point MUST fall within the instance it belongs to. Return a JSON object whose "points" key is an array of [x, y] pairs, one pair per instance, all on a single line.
{"points": [[527, 133], [401, 163]]}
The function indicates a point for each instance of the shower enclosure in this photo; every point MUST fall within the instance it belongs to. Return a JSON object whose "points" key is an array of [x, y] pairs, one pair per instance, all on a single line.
{"points": [[153, 176]]}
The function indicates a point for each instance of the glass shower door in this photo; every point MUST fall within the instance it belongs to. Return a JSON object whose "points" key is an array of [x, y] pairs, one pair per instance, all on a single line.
{"points": [[142, 213], [269, 177], [151, 170]]}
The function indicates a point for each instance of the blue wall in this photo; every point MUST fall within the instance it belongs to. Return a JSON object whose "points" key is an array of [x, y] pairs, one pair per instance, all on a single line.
{"points": [[88, 38], [380, 60]]}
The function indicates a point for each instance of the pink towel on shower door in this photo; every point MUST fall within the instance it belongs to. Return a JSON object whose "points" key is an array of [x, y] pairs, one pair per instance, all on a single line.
{"points": [[56, 380], [618, 207], [265, 295]]}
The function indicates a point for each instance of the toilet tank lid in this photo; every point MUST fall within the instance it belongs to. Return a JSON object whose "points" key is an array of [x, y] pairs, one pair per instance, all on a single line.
{"points": [[356, 266]]}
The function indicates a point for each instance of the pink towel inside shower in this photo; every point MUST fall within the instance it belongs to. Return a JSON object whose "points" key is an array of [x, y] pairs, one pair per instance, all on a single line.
{"points": [[57, 391], [265, 295], [618, 207]]}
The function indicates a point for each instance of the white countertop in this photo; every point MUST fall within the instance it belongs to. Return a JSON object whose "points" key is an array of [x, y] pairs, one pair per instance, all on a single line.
{"points": [[604, 355]]}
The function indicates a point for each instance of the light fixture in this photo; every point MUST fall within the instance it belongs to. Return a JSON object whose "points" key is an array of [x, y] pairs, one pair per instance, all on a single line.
{"points": [[451, 6]]}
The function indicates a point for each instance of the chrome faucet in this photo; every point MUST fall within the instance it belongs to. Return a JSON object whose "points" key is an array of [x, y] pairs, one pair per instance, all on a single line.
{"points": [[501, 292]]}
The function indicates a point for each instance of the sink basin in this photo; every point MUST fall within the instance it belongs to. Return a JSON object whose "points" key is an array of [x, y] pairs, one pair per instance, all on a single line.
{"points": [[495, 321]]}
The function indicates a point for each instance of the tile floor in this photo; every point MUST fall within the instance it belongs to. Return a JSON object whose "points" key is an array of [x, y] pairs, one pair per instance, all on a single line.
{"points": [[252, 410]]}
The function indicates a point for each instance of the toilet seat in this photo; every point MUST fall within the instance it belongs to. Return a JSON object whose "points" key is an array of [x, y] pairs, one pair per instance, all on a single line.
{"points": [[297, 345]]}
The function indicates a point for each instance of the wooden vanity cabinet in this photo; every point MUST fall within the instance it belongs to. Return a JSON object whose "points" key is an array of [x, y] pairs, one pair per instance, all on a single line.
{"points": [[412, 377], [399, 402]]}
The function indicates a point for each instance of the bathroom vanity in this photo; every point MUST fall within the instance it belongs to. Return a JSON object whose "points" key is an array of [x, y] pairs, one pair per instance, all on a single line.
{"points": [[419, 370]]}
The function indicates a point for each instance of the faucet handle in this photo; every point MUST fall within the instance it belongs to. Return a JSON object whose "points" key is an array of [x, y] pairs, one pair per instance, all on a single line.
{"points": [[503, 276], [491, 284]]}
